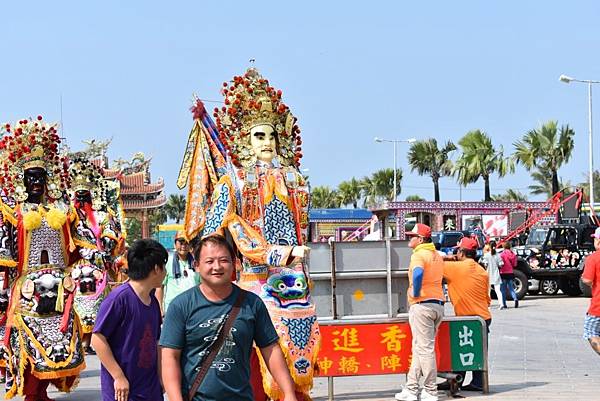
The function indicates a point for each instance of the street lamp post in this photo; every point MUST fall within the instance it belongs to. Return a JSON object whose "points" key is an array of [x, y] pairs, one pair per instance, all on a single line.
{"points": [[566, 79], [395, 142]]}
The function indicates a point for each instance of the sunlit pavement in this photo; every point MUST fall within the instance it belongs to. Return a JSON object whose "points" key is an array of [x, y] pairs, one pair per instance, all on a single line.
{"points": [[536, 353]]}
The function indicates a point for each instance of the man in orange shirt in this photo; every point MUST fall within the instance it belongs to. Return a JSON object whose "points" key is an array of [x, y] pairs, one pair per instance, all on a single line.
{"points": [[591, 277], [426, 300], [468, 288]]}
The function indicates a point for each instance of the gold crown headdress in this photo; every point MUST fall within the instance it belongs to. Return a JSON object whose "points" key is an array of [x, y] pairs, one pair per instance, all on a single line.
{"points": [[28, 144], [86, 175], [250, 101]]}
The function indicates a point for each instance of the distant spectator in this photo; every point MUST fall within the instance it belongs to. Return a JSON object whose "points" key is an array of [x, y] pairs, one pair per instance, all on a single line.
{"points": [[591, 277], [128, 327], [181, 275], [493, 262], [509, 260]]}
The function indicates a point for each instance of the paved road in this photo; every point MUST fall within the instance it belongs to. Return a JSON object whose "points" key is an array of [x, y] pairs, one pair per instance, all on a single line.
{"points": [[536, 353]]}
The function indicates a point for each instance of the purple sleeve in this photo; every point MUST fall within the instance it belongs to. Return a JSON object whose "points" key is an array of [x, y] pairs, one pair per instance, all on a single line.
{"points": [[109, 316]]}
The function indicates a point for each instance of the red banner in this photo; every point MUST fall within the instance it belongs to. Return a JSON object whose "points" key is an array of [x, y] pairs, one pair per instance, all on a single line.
{"points": [[374, 349]]}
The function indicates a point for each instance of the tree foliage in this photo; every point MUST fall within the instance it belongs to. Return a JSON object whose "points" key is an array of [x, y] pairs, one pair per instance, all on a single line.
{"points": [[323, 197], [546, 147], [350, 192], [379, 187], [175, 207], [479, 159], [511, 195], [426, 158]]}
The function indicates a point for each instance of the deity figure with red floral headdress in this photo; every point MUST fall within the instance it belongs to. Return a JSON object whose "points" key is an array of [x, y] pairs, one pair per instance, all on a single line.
{"points": [[42, 340], [244, 181]]}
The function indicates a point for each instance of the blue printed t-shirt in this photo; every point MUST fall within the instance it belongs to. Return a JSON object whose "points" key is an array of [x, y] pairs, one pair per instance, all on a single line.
{"points": [[132, 330], [190, 324]]}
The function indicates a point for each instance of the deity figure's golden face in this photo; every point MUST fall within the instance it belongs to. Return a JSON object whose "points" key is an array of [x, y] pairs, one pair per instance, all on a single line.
{"points": [[264, 142]]}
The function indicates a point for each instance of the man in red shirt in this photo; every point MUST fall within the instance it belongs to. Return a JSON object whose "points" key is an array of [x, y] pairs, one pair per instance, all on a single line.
{"points": [[591, 277]]}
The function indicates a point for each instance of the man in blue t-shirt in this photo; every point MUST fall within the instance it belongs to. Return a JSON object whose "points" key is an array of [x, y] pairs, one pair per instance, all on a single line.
{"points": [[128, 327], [191, 325]]}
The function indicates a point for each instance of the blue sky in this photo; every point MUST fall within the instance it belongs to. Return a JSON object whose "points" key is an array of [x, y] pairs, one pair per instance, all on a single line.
{"points": [[349, 70]]}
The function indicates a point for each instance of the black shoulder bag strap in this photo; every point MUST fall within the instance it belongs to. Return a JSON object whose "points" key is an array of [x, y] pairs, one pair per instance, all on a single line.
{"points": [[235, 309]]}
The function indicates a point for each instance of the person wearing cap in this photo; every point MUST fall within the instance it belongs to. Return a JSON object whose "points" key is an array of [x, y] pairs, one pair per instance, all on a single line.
{"points": [[591, 277], [468, 288], [426, 300], [181, 275]]}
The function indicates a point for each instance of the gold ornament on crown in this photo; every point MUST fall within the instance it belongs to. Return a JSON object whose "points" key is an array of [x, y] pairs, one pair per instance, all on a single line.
{"points": [[87, 176], [250, 101], [28, 144]]}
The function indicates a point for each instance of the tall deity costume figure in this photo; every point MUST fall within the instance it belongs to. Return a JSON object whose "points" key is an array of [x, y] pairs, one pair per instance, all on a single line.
{"points": [[43, 332], [98, 236], [244, 181]]}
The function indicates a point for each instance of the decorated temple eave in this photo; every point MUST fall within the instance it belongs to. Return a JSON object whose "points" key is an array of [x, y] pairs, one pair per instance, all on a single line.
{"points": [[141, 204]]}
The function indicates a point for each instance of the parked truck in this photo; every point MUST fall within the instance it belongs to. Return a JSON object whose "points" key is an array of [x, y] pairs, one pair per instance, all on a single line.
{"points": [[554, 253]]}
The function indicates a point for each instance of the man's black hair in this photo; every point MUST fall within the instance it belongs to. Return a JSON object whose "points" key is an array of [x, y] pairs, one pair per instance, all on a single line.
{"points": [[214, 239], [143, 256], [427, 240], [469, 253]]}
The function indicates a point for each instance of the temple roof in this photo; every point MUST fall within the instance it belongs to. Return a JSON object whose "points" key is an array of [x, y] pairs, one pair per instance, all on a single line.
{"points": [[140, 204], [137, 184]]}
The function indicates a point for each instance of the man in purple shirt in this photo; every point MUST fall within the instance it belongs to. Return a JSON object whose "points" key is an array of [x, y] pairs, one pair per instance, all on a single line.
{"points": [[128, 327]]}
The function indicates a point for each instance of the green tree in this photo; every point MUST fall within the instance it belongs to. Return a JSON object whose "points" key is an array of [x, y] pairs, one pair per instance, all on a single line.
{"points": [[175, 207], [479, 159], [414, 198], [546, 147], [379, 187], [511, 195], [425, 157], [156, 218], [350, 192], [134, 230], [585, 185], [543, 182], [323, 197]]}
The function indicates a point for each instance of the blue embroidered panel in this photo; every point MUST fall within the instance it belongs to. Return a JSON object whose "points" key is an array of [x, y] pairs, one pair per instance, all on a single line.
{"points": [[280, 228], [215, 218], [299, 330]]}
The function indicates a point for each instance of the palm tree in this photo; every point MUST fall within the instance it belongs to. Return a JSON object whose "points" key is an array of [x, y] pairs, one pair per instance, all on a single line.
{"points": [[511, 195], [175, 207], [350, 192], [414, 198], [586, 185], [379, 187], [546, 146], [323, 197], [543, 178], [425, 157], [479, 158]]}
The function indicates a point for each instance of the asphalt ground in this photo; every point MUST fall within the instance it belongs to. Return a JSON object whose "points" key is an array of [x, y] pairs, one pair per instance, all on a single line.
{"points": [[536, 353]]}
